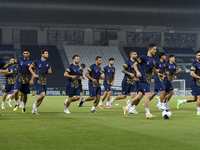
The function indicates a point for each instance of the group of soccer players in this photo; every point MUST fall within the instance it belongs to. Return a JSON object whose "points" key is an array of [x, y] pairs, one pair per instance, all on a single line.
{"points": [[138, 73], [19, 79]]}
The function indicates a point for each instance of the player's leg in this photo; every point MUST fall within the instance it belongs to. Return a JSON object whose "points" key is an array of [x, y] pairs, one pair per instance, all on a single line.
{"points": [[132, 110], [133, 101], [188, 100], [3, 100], [81, 92], [160, 104], [24, 100], [108, 100], [21, 102], [125, 91], [96, 102], [198, 105], [168, 98], [92, 97], [102, 99]]}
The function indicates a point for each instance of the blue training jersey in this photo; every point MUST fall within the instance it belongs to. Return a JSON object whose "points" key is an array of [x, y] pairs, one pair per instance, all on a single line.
{"points": [[147, 65], [10, 78], [196, 68], [108, 73], [73, 70], [41, 70], [95, 73], [171, 68], [23, 70], [161, 66], [128, 66]]}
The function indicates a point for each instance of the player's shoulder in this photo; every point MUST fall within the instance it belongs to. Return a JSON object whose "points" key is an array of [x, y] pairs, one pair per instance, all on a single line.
{"points": [[195, 63]]}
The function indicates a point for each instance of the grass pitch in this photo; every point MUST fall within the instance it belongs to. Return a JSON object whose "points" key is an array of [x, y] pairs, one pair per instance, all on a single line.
{"points": [[107, 129]]}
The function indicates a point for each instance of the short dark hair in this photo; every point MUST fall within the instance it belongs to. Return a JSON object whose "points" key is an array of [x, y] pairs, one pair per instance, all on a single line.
{"points": [[197, 51], [12, 58], [75, 56], [151, 45], [98, 57], [44, 50], [161, 54], [111, 59], [131, 52], [83, 65], [25, 50], [171, 56]]}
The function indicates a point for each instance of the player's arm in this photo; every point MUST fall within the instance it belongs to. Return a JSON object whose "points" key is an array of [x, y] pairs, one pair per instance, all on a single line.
{"points": [[111, 84], [7, 72], [178, 71], [31, 82], [66, 74], [31, 67], [193, 74], [49, 70], [126, 72], [135, 66], [87, 74]]}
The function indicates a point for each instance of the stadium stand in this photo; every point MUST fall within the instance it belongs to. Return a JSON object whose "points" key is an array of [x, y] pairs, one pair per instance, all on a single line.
{"points": [[56, 79], [6, 47], [88, 54], [179, 50]]}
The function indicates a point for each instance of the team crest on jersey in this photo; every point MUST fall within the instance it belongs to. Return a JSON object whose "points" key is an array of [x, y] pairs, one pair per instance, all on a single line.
{"points": [[28, 64], [108, 70], [148, 63], [47, 65], [21, 63], [74, 70], [39, 65]]}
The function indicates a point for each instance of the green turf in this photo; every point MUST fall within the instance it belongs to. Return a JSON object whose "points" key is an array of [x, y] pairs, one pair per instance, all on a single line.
{"points": [[107, 129]]}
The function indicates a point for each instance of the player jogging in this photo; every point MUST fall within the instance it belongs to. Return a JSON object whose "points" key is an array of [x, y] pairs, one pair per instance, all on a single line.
{"points": [[72, 89], [147, 66], [42, 68], [128, 82], [22, 81], [195, 84], [109, 75], [94, 75]]}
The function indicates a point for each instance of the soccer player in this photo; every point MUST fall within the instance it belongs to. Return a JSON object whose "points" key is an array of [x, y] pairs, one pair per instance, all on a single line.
{"points": [[171, 70], [22, 81], [72, 89], [128, 82], [10, 73], [42, 68], [158, 81], [147, 67], [109, 75], [82, 67], [94, 75], [195, 84]]}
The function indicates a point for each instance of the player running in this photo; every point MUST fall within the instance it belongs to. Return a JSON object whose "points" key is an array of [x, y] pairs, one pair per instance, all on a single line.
{"points": [[147, 67], [72, 89], [171, 70], [109, 75], [42, 68], [128, 82], [22, 81], [94, 75], [158, 81], [195, 84], [11, 74], [82, 67]]}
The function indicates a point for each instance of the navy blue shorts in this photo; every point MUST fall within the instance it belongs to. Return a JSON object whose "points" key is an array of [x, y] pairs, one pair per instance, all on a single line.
{"points": [[167, 86], [158, 86], [195, 89], [128, 88], [94, 91], [8, 88], [70, 91], [107, 87], [24, 88], [144, 88], [40, 88]]}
